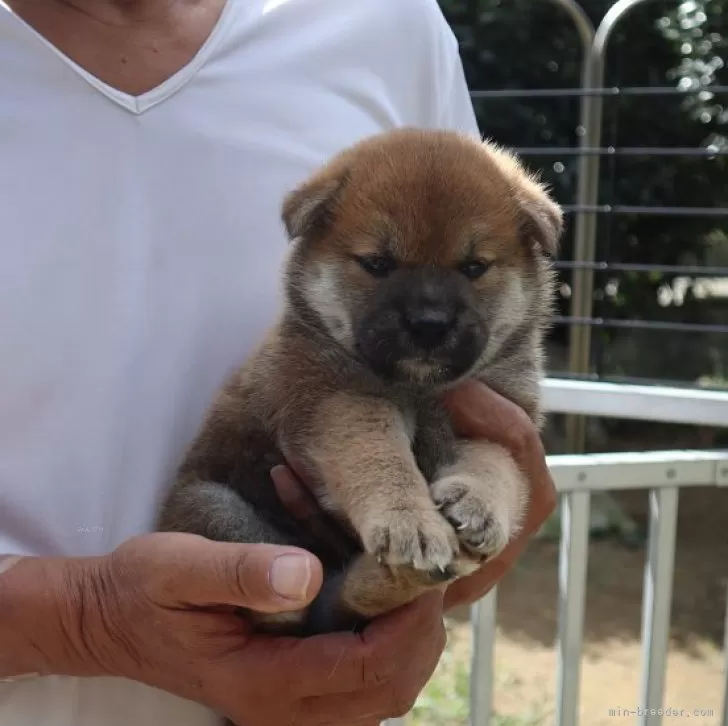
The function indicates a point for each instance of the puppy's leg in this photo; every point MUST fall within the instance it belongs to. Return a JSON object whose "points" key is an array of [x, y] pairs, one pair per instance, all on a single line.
{"points": [[483, 494], [217, 512], [366, 589], [359, 449]]}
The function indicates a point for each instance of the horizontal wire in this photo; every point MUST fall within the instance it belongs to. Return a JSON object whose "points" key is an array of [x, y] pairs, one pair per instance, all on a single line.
{"points": [[624, 209], [621, 151], [642, 325], [581, 92], [690, 270], [617, 209]]}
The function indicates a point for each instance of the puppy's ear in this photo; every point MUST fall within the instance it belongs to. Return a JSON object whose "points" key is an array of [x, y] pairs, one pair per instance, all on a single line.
{"points": [[542, 218], [310, 207]]}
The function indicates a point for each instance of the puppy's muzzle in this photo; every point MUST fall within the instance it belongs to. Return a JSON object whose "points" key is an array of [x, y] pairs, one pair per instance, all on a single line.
{"points": [[429, 327]]}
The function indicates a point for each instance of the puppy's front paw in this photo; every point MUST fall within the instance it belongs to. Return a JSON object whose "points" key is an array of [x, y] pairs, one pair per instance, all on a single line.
{"points": [[422, 539], [482, 522]]}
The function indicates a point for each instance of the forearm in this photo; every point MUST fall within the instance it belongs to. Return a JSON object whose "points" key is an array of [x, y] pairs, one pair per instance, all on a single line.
{"points": [[44, 617]]}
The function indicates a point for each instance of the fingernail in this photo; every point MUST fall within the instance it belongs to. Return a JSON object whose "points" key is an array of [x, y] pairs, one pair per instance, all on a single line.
{"points": [[290, 576]]}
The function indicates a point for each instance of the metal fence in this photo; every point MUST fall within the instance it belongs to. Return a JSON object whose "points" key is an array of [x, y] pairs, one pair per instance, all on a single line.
{"points": [[663, 473], [586, 210]]}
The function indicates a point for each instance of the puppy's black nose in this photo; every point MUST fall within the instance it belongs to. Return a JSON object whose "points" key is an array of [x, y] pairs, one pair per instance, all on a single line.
{"points": [[429, 327]]}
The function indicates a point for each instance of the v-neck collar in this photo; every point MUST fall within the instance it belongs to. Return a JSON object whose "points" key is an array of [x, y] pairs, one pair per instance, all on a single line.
{"points": [[143, 102]]}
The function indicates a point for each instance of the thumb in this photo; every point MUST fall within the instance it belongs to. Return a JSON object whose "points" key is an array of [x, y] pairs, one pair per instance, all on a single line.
{"points": [[267, 578]]}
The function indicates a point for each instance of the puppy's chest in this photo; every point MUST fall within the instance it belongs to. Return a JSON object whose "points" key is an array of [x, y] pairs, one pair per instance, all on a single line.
{"points": [[431, 436]]}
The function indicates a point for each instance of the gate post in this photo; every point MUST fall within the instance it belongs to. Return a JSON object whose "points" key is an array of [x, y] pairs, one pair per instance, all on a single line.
{"points": [[587, 197]]}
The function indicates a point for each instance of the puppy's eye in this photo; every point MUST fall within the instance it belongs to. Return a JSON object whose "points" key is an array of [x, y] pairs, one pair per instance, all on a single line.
{"points": [[473, 269], [377, 265]]}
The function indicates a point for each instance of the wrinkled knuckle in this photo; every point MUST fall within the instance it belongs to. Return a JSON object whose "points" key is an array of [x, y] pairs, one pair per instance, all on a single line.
{"points": [[238, 574], [373, 672], [139, 563], [125, 566]]}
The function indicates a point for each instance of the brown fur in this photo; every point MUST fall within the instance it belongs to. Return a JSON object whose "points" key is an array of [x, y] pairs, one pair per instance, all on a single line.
{"points": [[386, 308]]}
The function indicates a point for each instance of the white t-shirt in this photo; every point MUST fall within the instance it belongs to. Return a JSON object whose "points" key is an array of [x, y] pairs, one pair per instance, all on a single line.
{"points": [[141, 247]]}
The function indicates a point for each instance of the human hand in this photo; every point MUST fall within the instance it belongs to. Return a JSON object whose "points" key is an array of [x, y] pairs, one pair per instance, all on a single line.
{"points": [[478, 412], [159, 610], [213, 658]]}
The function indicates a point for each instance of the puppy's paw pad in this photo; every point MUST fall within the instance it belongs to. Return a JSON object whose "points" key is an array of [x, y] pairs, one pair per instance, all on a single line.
{"points": [[422, 539], [480, 524]]}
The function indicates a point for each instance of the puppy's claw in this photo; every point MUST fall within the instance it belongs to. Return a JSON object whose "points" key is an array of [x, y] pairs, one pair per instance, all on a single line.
{"points": [[414, 537], [442, 574], [479, 522]]}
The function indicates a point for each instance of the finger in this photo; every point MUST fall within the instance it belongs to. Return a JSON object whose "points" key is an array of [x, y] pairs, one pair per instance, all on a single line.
{"points": [[473, 587], [388, 700], [301, 503], [479, 412], [294, 495], [195, 571], [365, 721], [395, 638], [371, 706], [348, 662]]}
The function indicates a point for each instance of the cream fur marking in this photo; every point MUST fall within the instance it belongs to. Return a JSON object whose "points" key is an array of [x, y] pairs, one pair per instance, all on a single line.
{"points": [[514, 306], [322, 291]]}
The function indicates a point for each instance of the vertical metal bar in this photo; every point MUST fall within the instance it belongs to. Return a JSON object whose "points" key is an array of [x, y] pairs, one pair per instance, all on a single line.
{"points": [[481, 670], [585, 229], [587, 194], [575, 508], [581, 305], [573, 559], [583, 25], [724, 719], [656, 601], [484, 616]]}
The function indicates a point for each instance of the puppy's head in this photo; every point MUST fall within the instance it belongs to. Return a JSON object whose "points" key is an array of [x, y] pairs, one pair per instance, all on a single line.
{"points": [[421, 252]]}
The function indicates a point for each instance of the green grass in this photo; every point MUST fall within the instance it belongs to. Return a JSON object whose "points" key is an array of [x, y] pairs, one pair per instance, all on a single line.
{"points": [[445, 700]]}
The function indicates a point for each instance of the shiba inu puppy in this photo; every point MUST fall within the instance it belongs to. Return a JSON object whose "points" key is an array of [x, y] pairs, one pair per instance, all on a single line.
{"points": [[418, 259]]}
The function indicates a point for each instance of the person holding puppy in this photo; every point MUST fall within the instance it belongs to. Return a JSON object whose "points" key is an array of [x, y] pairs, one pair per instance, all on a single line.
{"points": [[145, 148]]}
